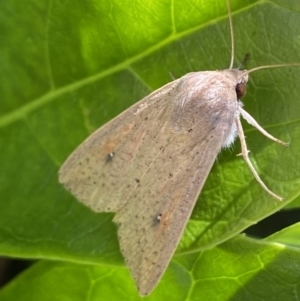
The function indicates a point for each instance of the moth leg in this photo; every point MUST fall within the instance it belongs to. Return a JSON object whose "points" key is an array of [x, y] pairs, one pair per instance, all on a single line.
{"points": [[254, 123], [246, 158]]}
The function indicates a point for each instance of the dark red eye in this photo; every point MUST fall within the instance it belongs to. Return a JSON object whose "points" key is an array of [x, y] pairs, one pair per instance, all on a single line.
{"points": [[240, 90]]}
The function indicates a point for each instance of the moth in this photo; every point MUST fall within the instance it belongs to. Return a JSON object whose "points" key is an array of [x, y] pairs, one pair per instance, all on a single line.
{"points": [[149, 164]]}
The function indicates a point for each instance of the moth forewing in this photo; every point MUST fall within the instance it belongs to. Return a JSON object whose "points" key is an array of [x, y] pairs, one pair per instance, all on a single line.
{"points": [[184, 152], [103, 161]]}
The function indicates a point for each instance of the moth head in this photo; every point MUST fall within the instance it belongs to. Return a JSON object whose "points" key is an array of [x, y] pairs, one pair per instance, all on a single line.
{"points": [[238, 80]]}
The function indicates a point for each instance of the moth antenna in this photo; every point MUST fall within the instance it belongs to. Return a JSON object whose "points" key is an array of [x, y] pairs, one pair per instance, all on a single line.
{"points": [[271, 66], [231, 34]]}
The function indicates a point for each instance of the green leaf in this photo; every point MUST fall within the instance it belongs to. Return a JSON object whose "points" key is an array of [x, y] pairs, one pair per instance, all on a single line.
{"points": [[288, 236], [239, 269], [69, 67]]}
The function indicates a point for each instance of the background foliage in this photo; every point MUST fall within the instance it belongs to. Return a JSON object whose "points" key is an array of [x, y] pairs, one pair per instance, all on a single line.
{"points": [[67, 68]]}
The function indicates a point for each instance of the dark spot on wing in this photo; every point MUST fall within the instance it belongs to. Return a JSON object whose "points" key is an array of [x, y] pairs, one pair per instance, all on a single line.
{"points": [[157, 219], [109, 157]]}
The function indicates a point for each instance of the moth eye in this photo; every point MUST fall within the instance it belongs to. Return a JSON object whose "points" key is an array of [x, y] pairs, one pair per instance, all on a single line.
{"points": [[240, 90]]}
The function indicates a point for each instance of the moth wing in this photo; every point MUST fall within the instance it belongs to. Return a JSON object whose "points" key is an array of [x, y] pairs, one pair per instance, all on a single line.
{"points": [[162, 150], [97, 172], [151, 224]]}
